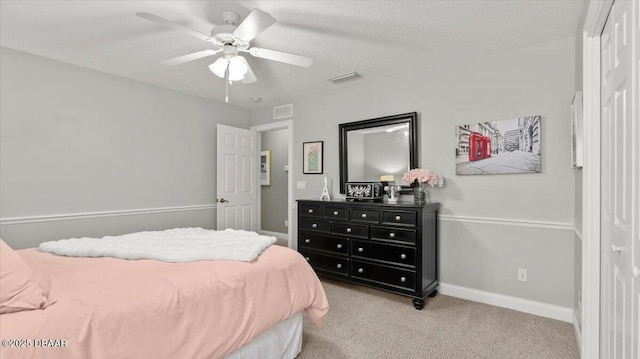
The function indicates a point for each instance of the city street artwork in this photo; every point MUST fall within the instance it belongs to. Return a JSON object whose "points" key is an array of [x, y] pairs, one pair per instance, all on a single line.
{"points": [[499, 147]]}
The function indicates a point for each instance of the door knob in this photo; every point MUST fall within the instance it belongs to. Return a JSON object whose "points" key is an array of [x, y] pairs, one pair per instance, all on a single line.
{"points": [[616, 249], [222, 200], [635, 272]]}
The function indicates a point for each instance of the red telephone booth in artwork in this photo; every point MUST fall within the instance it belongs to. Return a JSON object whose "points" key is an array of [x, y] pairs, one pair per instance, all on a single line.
{"points": [[475, 146], [486, 146]]}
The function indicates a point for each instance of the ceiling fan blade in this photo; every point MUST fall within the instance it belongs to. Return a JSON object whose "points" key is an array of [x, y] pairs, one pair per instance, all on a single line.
{"points": [[280, 56], [253, 25], [249, 77], [173, 25], [190, 57]]}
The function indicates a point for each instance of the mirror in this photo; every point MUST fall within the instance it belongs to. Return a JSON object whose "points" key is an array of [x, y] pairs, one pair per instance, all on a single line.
{"points": [[377, 147]]}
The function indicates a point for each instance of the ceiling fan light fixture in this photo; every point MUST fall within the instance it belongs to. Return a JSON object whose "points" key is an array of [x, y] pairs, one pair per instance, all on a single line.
{"points": [[238, 67], [219, 67]]}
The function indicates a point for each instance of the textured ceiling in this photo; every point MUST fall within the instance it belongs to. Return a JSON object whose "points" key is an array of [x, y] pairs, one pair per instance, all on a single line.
{"points": [[378, 39]]}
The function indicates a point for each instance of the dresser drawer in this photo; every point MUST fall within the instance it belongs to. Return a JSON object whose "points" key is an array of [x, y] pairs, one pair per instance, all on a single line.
{"points": [[384, 252], [393, 234], [406, 218], [351, 230], [315, 225], [327, 263], [323, 242], [365, 215], [382, 274], [311, 210], [336, 212]]}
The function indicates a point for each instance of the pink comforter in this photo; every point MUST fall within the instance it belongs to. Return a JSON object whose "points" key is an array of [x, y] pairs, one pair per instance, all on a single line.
{"points": [[114, 308]]}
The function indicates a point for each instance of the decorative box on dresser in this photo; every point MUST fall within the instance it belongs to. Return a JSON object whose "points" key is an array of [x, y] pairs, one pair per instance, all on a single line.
{"points": [[390, 246]]}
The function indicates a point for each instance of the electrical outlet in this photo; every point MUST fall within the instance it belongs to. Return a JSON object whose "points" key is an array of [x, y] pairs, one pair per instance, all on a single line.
{"points": [[522, 274], [286, 223]]}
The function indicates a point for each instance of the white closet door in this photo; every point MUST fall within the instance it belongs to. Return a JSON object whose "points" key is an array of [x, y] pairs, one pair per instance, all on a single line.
{"points": [[619, 180]]}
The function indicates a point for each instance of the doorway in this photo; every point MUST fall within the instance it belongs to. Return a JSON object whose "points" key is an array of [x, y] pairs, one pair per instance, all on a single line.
{"points": [[275, 196]]}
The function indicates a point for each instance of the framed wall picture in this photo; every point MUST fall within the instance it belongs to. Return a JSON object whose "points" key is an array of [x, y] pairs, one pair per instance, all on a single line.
{"points": [[265, 168], [312, 157], [576, 131], [499, 147]]}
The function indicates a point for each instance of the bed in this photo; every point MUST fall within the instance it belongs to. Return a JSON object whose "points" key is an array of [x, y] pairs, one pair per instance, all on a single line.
{"points": [[113, 308]]}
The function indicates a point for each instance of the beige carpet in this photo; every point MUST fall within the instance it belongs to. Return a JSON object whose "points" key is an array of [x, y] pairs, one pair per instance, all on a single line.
{"points": [[368, 323]]}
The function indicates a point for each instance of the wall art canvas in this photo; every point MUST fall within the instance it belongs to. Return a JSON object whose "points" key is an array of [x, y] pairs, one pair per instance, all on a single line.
{"points": [[265, 168], [499, 147], [312, 157]]}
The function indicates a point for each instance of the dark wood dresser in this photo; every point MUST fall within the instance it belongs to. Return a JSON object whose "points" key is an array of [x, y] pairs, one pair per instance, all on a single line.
{"points": [[387, 246]]}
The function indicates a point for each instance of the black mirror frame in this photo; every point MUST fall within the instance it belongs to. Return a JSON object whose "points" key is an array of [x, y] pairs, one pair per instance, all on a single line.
{"points": [[344, 128]]}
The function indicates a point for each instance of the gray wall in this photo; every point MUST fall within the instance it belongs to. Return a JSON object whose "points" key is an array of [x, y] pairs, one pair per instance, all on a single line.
{"points": [[479, 248], [78, 141], [274, 198], [578, 180]]}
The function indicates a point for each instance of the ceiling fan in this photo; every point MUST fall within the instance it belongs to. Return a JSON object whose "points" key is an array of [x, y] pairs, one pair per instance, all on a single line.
{"points": [[230, 39]]}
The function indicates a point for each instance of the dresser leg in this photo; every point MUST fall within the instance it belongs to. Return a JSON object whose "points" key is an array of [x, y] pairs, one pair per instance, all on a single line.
{"points": [[418, 303], [433, 293]]}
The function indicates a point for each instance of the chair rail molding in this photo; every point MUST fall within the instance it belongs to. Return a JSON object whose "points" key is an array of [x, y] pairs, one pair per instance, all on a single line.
{"points": [[86, 215]]}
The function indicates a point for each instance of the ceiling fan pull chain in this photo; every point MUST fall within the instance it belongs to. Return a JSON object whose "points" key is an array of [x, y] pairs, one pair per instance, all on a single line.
{"points": [[226, 84]]}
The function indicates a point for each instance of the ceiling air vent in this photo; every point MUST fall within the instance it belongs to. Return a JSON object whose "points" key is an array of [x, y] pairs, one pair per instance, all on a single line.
{"points": [[344, 78], [283, 111]]}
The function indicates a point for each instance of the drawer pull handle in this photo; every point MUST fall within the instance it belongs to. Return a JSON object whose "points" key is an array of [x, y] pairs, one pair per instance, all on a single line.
{"points": [[307, 240], [311, 211], [339, 266], [397, 218], [339, 246], [364, 215], [315, 225], [403, 279], [360, 270], [360, 249], [348, 230], [335, 213], [403, 256], [308, 259], [392, 235]]}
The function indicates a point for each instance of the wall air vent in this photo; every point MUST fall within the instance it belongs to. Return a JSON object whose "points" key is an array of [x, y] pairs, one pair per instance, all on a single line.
{"points": [[346, 77], [284, 111]]}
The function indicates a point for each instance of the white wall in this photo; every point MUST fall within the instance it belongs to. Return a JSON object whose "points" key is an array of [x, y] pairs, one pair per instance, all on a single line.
{"points": [[76, 141], [490, 225]]}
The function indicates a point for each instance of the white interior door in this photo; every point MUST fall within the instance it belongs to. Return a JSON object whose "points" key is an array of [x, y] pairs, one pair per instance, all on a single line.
{"points": [[635, 182], [619, 181], [237, 178]]}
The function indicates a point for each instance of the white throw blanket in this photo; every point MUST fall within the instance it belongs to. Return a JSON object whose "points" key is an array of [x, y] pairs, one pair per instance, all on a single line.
{"points": [[172, 245]]}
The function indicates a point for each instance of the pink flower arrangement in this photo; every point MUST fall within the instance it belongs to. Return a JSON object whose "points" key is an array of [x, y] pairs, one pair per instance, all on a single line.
{"points": [[429, 177]]}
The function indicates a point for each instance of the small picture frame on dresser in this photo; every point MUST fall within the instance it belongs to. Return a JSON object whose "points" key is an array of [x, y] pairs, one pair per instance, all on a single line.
{"points": [[312, 157]]}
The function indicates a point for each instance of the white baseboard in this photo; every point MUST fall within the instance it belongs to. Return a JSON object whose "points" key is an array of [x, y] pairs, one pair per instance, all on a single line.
{"points": [[576, 327], [278, 235], [505, 301]]}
